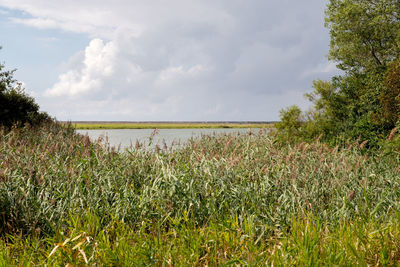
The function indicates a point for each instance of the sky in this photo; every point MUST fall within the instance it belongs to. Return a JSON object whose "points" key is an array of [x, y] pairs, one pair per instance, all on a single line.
{"points": [[166, 60]]}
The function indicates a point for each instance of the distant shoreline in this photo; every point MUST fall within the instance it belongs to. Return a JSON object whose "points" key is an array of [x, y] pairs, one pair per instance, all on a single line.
{"points": [[87, 125]]}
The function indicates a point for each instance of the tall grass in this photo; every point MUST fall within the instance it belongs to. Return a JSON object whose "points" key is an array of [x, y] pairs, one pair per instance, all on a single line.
{"points": [[220, 199]]}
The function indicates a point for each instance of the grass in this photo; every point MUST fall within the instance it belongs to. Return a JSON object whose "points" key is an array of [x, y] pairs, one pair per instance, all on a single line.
{"points": [[230, 199], [361, 242], [128, 125]]}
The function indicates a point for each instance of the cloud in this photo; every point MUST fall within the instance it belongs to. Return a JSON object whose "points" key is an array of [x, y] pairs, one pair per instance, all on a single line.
{"points": [[183, 60], [38, 23], [4, 12], [98, 64]]}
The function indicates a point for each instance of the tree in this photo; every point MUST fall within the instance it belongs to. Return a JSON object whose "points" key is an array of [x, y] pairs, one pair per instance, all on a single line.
{"points": [[365, 34], [16, 107], [365, 41], [365, 44]]}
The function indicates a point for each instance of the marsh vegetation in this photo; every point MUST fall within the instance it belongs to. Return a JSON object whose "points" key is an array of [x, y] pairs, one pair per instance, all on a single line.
{"points": [[219, 200], [323, 189]]}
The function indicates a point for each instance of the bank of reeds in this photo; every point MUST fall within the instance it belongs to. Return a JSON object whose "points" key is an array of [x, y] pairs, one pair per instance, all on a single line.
{"points": [[218, 200]]}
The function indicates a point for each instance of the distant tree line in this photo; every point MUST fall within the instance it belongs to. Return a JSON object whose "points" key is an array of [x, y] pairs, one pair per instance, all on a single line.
{"points": [[363, 102], [16, 107]]}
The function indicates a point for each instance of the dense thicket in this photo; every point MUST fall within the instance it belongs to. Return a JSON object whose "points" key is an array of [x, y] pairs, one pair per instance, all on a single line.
{"points": [[218, 199], [48, 172], [16, 107], [363, 101]]}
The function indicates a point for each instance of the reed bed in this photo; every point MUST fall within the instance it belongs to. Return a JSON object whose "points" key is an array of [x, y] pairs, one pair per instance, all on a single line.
{"points": [[228, 199]]}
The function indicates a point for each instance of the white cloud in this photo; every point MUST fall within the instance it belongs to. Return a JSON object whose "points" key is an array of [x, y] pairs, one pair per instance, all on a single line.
{"points": [[183, 59], [98, 63], [38, 23]]}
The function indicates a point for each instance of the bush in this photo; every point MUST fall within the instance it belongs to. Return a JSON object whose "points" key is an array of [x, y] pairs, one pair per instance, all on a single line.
{"points": [[289, 128], [390, 96], [16, 107]]}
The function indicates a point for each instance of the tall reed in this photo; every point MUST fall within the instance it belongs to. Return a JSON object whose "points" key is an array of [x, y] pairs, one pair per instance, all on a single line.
{"points": [[50, 173]]}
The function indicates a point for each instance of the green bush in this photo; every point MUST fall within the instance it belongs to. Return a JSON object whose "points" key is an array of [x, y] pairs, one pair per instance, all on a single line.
{"points": [[391, 144], [390, 96], [16, 107], [289, 128]]}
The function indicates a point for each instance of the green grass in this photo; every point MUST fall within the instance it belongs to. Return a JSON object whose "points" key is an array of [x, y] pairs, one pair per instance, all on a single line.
{"points": [[228, 199], [112, 125], [309, 243]]}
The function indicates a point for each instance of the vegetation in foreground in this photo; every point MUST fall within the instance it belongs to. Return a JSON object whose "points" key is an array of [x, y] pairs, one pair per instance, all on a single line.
{"points": [[246, 199], [221, 199], [167, 125]]}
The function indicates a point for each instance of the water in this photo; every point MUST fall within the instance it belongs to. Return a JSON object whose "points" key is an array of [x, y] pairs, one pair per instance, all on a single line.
{"points": [[171, 137]]}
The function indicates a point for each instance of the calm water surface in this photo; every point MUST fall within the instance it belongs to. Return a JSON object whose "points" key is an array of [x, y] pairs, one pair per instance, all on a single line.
{"points": [[171, 137]]}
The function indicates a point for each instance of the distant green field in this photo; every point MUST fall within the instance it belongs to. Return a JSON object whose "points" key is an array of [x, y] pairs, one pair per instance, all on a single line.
{"points": [[128, 125]]}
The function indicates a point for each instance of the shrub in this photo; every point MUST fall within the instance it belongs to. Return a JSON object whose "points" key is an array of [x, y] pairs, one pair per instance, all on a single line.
{"points": [[16, 107], [390, 96], [289, 128]]}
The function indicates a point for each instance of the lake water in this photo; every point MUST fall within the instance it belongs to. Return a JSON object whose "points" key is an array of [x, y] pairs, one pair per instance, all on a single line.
{"points": [[171, 137]]}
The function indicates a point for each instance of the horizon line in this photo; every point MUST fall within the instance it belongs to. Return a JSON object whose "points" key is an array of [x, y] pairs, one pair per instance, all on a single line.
{"points": [[201, 122]]}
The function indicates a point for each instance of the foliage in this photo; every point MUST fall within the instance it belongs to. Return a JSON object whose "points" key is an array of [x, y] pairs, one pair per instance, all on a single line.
{"points": [[391, 145], [289, 127], [363, 102], [390, 96], [363, 241], [212, 177], [16, 107], [221, 199], [364, 34]]}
